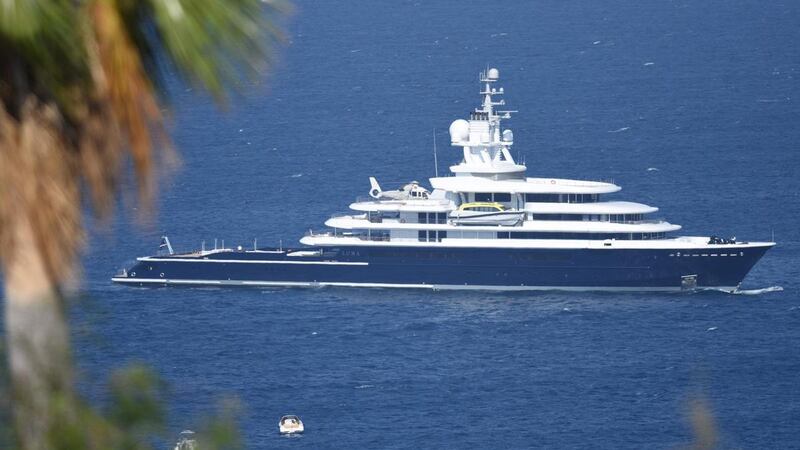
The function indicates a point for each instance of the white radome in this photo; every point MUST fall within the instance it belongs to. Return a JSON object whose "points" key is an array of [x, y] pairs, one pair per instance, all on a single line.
{"points": [[508, 136], [459, 131], [494, 74]]}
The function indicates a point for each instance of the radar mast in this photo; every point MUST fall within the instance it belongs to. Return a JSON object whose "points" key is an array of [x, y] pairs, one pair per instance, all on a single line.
{"points": [[485, 147]]}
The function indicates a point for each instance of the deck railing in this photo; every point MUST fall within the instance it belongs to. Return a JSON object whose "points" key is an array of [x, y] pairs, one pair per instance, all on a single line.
{"points": [[640, 222]]}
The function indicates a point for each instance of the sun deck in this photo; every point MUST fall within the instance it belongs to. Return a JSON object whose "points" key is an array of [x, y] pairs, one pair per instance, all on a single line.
{"points": [[523, 186]]}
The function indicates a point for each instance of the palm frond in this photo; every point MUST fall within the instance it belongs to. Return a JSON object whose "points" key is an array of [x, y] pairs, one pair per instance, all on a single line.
{"points": [[38, 187], [79, 95], [120, 79], [214, 43]]}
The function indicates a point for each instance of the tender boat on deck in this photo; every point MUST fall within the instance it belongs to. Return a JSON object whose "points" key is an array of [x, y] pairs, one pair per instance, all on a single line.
{"points": [[483, 213]]}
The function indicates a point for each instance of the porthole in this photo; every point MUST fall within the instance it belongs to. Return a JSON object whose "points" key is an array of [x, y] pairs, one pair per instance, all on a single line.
{"points": [[161, 274]]}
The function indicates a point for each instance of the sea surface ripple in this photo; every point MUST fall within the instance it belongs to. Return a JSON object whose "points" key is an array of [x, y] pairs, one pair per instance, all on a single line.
{"points": [[689, 106]]}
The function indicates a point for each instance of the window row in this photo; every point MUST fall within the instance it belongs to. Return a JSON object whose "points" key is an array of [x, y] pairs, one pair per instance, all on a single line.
{"points": [[562, 198], [588, 236], [505, 197], [557, 216], [431, 217], [615, 218], [500, 197], [431, 236]]}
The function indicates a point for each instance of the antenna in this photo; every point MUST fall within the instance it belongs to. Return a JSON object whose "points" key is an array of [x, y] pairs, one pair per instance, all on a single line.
{"points": [[435, 159]]}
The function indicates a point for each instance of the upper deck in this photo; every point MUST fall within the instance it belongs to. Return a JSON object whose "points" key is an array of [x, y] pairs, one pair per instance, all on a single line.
{"points": [[461, 184], [410, 205], [549, 208]]}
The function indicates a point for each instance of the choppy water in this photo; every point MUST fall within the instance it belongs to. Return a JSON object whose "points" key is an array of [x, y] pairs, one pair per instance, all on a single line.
{"points": [[689, 106]]}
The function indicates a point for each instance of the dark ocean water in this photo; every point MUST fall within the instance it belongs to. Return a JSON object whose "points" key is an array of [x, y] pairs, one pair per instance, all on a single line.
{"points": [[706, 92]]}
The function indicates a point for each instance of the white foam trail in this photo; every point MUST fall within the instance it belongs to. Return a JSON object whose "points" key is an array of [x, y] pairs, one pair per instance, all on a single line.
{"points": [[758, 291], [652, 169], [649, 63], [618, 130], [745, 291]]}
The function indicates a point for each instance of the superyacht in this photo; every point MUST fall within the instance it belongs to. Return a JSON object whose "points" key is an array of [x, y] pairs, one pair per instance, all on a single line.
{"points": [[486, 226]]}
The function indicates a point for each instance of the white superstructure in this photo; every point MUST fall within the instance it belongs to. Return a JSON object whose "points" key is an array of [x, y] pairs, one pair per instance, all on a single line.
{"points": [[554, 211]]}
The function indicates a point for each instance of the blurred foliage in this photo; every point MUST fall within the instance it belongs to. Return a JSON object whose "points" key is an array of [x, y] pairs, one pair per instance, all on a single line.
{"points": [[133, 418], [212, 42], [705, 434], [6, 432], [221, 431], [82, 91]]}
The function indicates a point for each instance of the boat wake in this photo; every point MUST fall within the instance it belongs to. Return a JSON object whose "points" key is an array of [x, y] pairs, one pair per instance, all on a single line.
{"points": [[746, 291], [620, 130], [758, 291]]}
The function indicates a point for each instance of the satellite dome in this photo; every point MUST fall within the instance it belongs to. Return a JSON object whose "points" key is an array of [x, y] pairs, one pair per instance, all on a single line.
{"points": [[493, 74], [508, 136], [459, 131]]}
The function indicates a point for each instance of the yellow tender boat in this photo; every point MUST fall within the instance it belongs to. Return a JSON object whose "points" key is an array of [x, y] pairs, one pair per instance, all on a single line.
{"points": [[486, 213]]}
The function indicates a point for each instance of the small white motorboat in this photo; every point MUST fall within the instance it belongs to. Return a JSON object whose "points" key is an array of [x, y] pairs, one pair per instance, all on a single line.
{"points": [[485, 213], [187, 441], [291, 424]]}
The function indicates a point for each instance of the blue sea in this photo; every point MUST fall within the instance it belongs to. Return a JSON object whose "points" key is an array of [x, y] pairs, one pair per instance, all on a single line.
{"points": [[690, 106]]}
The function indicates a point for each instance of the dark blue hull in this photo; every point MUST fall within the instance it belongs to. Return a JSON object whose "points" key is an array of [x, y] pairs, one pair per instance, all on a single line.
{"points": [[456, 268]]}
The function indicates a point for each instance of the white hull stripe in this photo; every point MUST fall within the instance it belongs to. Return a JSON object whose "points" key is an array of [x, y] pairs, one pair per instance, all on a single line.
{"points": [[560, 244], [408, 286], [248, 261]]}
